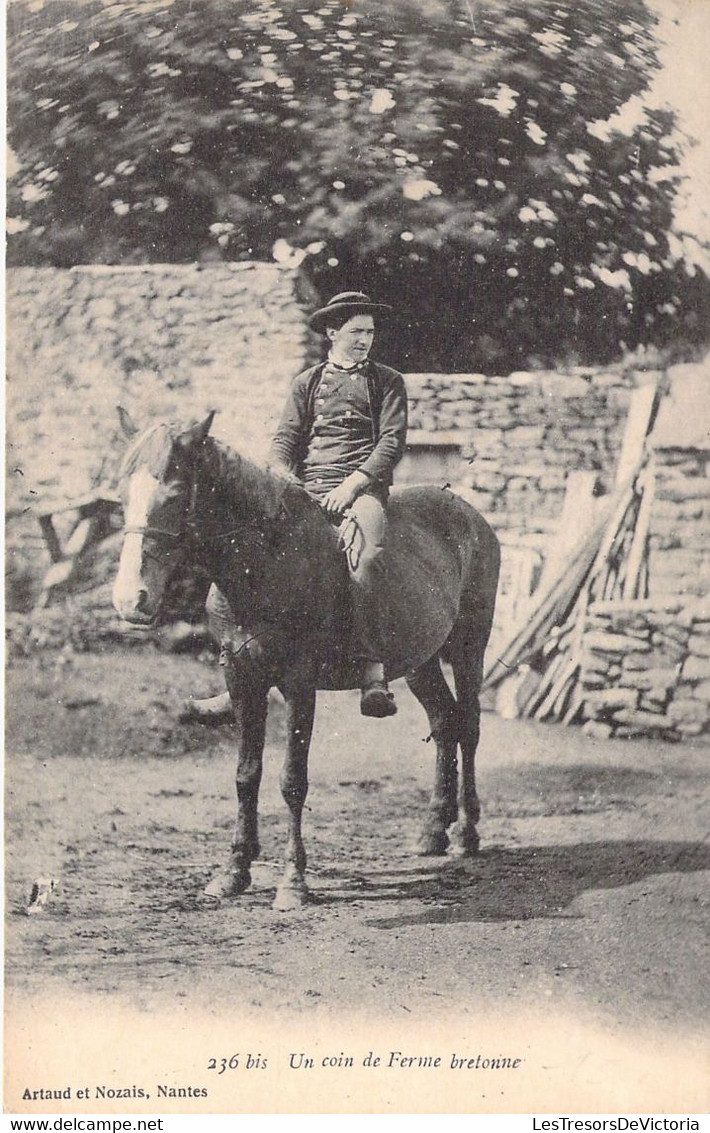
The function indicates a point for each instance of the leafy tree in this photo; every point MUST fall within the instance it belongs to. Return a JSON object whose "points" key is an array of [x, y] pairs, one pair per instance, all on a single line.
{"points": [[449, 155]]}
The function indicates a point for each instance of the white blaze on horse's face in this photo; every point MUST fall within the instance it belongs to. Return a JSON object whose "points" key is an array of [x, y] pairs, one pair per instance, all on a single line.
{"points": [[146, 560]]}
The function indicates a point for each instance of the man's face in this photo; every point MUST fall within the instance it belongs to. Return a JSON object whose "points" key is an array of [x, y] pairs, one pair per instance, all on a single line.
{"points": [[352, 342]]}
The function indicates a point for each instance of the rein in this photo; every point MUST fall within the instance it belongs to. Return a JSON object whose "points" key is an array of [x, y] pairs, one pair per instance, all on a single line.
{"points": [[189, 531]]}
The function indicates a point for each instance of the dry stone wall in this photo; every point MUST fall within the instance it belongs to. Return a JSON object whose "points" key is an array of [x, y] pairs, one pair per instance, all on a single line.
{"points": [[646, 664], [646, 669], [679, 536], [520, 435], [167, 342]]}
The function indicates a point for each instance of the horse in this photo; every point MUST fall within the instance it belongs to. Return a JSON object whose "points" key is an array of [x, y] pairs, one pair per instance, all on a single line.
{"points": [[268, 547]]}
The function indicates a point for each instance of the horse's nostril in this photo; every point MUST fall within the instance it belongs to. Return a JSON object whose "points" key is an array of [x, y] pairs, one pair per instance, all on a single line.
{"points": [[142, 601]]}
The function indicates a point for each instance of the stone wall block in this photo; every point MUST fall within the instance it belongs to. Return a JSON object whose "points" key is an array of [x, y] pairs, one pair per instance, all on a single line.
{"points": [[696, 669], [641, 720], [695, 539], [597, 729], [609, 700], [562, 386], [668, 513], [645, 679], [592, 680], [676, 634], [654, 699], [669, 655], [531, 435], [615, 642], [593, 664], [521, 378], [489, 481], [681, 491], [489, 443], [699, 645], [689, 711], [682, 559], [631, 663], [699, 691]]}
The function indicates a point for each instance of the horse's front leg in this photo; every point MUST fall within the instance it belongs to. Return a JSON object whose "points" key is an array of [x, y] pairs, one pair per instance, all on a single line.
{"points": [[292, 891], [250, 697]]}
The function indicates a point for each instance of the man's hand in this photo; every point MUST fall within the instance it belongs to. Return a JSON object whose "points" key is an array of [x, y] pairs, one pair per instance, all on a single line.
{"points": [[341, 498]]}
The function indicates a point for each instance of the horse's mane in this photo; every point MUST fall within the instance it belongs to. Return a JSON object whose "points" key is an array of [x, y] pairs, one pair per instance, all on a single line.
{"points": [[261, 490], [150, 450]]}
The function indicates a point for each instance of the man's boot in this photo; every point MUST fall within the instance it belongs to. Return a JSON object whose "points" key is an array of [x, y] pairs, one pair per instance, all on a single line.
{"points": [[210, 710], [375, 698]]}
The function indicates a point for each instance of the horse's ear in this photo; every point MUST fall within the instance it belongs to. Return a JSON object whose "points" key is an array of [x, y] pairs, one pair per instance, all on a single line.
{"points": [[127, 423], [197, 434]]}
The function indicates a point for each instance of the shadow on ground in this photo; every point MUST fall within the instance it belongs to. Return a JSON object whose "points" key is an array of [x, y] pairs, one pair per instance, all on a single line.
{"points": [[520, 884]]}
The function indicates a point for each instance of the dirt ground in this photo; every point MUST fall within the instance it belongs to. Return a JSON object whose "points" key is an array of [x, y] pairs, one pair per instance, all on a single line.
{"points": [[588, 891]]}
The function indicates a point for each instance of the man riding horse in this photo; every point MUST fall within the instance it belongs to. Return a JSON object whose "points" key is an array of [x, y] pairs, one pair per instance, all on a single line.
{"points": [[268, 546], [341, 434]]}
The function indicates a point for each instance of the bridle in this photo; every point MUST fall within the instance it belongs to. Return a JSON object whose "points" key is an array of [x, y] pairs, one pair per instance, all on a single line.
{"points": [[189, 531]]}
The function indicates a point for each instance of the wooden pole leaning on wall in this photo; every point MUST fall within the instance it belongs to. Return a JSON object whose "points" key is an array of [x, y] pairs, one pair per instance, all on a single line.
{"points": [[568, 590]]}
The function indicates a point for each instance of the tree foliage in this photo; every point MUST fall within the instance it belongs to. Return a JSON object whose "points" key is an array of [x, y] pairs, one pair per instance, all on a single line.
{"points": [[450, 156]]}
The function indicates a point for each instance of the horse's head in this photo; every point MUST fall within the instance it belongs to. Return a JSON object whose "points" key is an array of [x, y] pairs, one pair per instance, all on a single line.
{"points": [[157, 483]]}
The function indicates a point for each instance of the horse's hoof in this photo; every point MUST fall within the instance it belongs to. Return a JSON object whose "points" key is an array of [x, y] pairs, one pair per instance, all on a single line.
{"points": [[465, 845], [228, 883], [291, 896], [433, 844]]}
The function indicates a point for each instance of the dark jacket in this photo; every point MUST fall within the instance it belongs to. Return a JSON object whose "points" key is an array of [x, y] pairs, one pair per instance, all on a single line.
{"points": [[388, 402]]}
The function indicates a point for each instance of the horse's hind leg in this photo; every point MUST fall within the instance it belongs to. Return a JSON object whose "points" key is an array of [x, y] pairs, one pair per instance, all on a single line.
{"points": [[467, 664], [433, 693], [292, 890]]}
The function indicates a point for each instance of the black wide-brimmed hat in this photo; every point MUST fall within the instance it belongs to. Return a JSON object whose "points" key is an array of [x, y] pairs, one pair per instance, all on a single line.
{"points": [[347, 303]]}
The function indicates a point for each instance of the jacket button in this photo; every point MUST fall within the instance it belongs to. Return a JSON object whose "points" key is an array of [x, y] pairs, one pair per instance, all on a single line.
{"points": [[319, 416]]}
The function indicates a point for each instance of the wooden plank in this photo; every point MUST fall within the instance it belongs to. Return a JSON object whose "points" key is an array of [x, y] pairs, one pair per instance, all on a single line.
{"points": [[567, 671], [637, 551], [579, 510], [515, 691], [607, 592], [575, 705], [566, 694], [553, 606], [643, 408], [50, 537], [542, 691], [623, 500], [86, 505], [574, 585]]}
